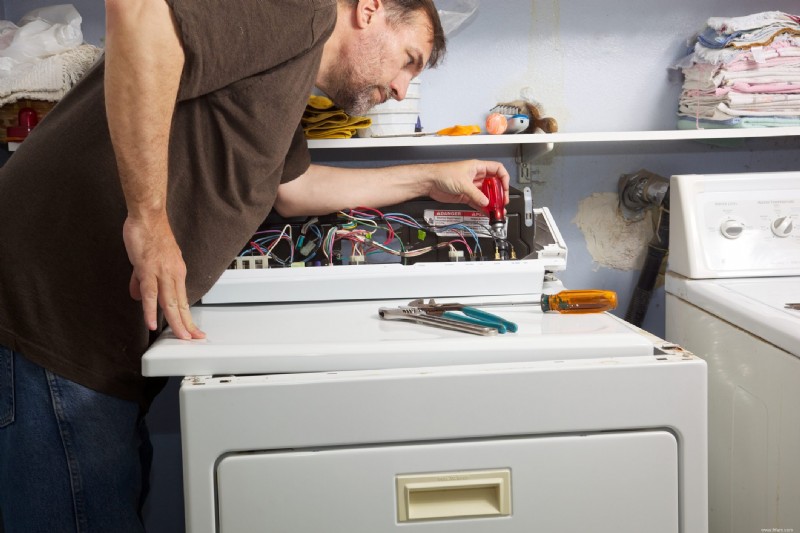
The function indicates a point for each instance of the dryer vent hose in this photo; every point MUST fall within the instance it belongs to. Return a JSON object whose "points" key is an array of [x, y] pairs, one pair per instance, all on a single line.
{"points": [[656, 252]]}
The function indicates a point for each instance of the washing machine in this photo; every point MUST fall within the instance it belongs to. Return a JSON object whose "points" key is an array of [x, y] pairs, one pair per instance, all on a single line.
{"points": [[315, 414], [733, 289]]}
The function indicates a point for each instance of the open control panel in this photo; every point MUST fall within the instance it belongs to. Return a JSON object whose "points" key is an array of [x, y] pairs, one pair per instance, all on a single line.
{"points": [[418, 248]]}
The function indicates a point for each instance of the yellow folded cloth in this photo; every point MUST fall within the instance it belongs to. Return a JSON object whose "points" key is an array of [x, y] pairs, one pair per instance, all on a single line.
{"points": [[319, 102], [323, 120]]}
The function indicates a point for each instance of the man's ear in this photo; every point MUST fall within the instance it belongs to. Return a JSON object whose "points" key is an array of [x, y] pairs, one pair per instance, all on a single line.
{"points": [[366, 10]]}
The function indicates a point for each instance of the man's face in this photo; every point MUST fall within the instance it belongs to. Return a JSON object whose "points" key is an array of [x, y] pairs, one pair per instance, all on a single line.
{"points": [[381, 63]]}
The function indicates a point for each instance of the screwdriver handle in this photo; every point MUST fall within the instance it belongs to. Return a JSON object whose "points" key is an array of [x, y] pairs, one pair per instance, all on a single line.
{"points": [[492, 188], [579, 301]]}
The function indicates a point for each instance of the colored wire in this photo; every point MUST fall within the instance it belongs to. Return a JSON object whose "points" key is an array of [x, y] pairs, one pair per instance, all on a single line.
{"points": [[360, 227]]}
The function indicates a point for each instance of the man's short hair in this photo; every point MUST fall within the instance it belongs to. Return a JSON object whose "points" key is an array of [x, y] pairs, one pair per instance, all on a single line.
{"points": [[402, 11]]}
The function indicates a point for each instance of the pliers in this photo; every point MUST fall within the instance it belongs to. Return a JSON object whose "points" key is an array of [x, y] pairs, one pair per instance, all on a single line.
{"points": [[468, 314], [414, 314]]}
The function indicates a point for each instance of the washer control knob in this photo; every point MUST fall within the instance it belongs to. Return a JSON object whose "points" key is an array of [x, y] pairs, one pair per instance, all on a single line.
{"points": [[732, 229], [782, 226]]}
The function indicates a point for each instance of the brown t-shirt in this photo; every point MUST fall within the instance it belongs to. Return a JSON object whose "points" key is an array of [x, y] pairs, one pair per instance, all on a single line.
{"points": [[64, 271]]}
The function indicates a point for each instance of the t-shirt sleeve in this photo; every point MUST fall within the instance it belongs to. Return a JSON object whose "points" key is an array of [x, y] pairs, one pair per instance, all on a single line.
{"points": [[232, 40], [297, 159]]}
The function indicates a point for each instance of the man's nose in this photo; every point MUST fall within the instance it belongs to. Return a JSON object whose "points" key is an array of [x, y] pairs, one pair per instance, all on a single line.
{"points": [[399, 86]]}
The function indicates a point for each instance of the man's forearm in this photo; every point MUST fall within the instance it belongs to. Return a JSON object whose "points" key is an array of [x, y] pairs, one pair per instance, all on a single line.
{"points": [[144, 60], [324, 189]]}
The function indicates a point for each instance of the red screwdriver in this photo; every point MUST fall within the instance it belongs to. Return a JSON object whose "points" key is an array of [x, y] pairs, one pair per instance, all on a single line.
{"points": [[492, 188]]}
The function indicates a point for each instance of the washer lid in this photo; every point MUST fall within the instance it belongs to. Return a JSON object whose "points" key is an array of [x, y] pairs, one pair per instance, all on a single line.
{"points": [[757, 305], [334, 336]]}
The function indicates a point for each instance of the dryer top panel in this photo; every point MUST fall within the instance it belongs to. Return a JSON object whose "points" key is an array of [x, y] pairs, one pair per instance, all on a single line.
{"points": [[350, 335]]}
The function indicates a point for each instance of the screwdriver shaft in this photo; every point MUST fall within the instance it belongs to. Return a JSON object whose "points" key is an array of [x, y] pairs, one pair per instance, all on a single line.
{"points": [[565, 302]]}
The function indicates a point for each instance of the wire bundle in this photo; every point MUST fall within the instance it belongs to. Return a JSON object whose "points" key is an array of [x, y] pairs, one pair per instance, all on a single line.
{"points": [[361, 227]]}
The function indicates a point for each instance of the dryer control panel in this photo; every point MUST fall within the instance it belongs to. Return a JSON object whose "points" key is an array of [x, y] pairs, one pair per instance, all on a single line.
{"points": [[419, 248], [735, 225]]}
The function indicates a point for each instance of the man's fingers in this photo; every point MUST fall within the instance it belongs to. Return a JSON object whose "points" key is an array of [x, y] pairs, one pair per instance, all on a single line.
{"points": [[136, 294], [176, 310], [168, 299], [148, 291], [185, 312], [476, 198], [191, 327]]}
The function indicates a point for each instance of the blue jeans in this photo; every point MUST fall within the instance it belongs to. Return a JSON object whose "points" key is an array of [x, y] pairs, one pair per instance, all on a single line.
{"points": [[71, 459]]}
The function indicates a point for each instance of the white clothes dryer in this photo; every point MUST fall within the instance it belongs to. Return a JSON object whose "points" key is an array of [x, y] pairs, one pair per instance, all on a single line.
{"points": [[319, 416]]}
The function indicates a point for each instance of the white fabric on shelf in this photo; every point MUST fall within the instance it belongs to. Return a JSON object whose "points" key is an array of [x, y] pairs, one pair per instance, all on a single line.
{"points": [[50, 78]]}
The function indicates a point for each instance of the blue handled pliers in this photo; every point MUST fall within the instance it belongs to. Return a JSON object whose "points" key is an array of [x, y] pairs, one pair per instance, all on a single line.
{"points": [[467, 314]]}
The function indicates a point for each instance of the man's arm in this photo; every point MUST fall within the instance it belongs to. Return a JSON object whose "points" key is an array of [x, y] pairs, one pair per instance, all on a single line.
{"points": [[144, 60], [323, 190]]}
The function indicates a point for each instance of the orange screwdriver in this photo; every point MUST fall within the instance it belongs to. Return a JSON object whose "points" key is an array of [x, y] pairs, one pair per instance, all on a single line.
{"points": [[579, 301], [564, 302]]}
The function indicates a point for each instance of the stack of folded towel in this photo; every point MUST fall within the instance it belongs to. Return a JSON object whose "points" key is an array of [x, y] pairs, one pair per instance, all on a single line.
{"points": [[744, 73], [50, 78], [323, 120]]}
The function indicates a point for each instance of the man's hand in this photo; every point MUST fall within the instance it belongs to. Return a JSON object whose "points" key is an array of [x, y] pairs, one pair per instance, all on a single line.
{"points": [[159, 274], [459, 182]]}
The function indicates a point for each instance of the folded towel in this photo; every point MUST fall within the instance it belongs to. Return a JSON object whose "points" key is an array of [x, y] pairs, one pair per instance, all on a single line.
{"points": [[323, 120], [50, 78]]}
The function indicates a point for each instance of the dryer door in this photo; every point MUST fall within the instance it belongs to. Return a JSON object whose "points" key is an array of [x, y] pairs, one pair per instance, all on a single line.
{"points": [[606, 482]]}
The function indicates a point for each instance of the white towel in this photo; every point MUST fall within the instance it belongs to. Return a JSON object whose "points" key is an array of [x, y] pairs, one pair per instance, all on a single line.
{"points": [[50, 78]]}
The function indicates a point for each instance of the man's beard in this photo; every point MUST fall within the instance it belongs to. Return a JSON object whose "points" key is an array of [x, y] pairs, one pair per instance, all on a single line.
{"points": [[351, 87], [355, 101]]}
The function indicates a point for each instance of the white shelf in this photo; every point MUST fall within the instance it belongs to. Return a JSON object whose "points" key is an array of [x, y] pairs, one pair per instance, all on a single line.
{"points": [[548, 138]]}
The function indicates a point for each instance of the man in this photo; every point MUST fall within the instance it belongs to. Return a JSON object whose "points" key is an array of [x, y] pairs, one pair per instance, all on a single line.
{"points": [[144, 182]]}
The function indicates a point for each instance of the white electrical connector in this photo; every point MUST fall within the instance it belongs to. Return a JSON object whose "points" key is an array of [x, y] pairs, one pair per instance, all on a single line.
{"points": [[356, 260], [308, 247], [310, 222], [456, 255], [251, 262]]}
